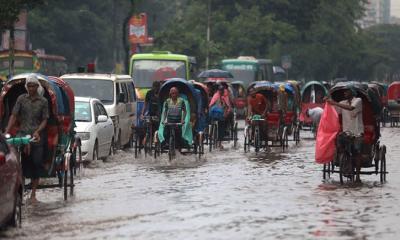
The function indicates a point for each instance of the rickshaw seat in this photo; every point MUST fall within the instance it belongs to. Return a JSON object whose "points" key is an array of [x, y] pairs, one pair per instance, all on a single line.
{"points": [[273, 118], [66, 123], [52, 135], [289, 117], [369, 134]]}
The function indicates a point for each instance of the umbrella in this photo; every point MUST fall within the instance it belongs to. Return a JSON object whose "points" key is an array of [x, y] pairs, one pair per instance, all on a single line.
{"points": [[215, 73]]}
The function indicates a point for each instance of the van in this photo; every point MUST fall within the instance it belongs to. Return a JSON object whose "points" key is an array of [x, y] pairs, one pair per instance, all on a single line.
{"points": [[116, 92]]}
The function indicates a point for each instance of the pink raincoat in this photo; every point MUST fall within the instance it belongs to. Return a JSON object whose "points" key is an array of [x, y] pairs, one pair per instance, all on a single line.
{"points": [[329, 127]]}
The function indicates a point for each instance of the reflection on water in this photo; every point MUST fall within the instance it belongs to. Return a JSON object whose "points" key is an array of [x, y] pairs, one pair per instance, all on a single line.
{"points": [[225, 195]]}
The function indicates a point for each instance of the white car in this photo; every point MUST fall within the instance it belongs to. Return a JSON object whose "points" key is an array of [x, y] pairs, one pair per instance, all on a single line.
{"points": [[94, 127]]}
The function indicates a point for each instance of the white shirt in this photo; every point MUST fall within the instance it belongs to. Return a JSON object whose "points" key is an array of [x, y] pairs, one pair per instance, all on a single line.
{"points": [[315, 114], [352, 120]]}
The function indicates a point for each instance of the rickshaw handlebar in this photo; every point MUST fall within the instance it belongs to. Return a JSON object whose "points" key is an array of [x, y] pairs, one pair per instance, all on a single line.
{"points": [[17, 141]]}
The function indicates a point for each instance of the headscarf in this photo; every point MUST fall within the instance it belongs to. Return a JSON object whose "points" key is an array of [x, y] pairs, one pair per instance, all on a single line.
{"points": [[33, 79]]}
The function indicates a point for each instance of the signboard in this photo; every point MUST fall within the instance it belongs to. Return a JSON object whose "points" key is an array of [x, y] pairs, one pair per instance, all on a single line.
{"points": [[286, 61], [138, 29]]}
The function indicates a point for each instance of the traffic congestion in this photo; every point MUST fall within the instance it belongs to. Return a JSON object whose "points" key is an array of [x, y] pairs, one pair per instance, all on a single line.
{"points": [[208, 146], [178, 126]]}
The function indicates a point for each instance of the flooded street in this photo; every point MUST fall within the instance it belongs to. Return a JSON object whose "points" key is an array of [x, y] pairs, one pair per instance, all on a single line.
{"points": [[228, 195]]}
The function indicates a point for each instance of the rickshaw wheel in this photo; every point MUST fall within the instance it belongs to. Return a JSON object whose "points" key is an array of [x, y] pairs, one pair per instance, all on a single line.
{"points": [[171, 150], [210, 136], [245, 143], [257, 139], [235, 135], [136, 144], [77, 153], [324, 171], [71, 181], [215, 135], [201, 145], [284, 139], [16, 220], [296, 134], [382, 157], [65, 184], [342, 165]]}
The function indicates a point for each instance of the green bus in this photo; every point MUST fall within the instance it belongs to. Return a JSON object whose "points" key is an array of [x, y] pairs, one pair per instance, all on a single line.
{"points": [[249, 69], [145, 68], [31, 61]]}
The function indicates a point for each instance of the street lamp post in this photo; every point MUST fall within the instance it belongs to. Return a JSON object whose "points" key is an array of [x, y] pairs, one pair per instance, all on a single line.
{"points": [[208, 32]]}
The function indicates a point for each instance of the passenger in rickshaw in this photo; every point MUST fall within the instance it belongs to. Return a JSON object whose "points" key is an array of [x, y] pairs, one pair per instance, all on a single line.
{"points": [[352, 123], [174, 111], [151, 108], [220, 108], [31, 111]]}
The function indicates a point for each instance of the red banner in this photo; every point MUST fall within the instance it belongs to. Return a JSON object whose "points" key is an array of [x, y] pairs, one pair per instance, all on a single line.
{"points": [[138, 29]]}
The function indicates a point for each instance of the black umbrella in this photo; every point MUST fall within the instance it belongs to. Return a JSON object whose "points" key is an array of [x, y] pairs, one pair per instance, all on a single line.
{"points": [[215, 73]]}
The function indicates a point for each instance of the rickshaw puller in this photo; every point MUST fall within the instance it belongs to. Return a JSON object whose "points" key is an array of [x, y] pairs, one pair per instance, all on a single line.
{"points": [[150, 107], [175, 112], [31, 111], [257, 104], [352, 122]]}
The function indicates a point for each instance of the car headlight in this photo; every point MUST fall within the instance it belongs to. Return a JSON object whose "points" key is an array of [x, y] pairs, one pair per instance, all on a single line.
{"points": [[84, 135]]}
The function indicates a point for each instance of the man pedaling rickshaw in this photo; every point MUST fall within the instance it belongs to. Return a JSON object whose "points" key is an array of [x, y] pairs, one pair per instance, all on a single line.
{"points": [[150, 108], [258, 107], [174, 111], [352, 122], [31, 111]]}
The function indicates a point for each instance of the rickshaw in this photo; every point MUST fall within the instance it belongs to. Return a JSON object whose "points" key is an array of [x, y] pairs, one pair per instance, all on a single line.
{"points": [[239, 97], [271, 131], [231, 123], [291, 108], [393, 96], [312, 95], [202, 122], [384, 100], [193, 103], [63, 146], [373, 154]]}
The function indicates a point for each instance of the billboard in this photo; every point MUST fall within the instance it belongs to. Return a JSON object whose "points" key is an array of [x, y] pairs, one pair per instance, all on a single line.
{"points": [[138, 29]]}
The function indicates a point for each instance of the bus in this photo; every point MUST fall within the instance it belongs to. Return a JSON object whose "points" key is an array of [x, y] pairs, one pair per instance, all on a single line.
{"points": [[31, 61], [249, 69], [145, 68]]}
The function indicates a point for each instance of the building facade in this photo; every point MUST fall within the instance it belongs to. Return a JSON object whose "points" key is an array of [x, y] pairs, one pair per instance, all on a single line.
{"points": [[376, 12]]}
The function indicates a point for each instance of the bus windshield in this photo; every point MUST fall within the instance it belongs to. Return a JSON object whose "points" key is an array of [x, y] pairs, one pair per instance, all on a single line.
{"points": [[19, 62], [144, 72], [242, 72], [96, 88]]}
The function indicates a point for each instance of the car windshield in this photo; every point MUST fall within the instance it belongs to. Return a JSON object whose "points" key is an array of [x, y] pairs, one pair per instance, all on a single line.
{"points": [[144, 72], [83, 112], [95, 88], [242, 72]]}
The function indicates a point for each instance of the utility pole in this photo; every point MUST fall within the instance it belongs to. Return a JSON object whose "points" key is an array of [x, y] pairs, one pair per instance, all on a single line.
{"points": [[114, 32], [208, 32], [11, 48]]}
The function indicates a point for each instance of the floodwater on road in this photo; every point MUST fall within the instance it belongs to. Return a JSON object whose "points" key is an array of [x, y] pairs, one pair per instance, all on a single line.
{"points": [[227, 195]]}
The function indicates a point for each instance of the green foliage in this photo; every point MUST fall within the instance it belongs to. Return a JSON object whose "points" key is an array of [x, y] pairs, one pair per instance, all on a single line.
{"points": [[79, 30], [322, 36], [10, 9]]}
